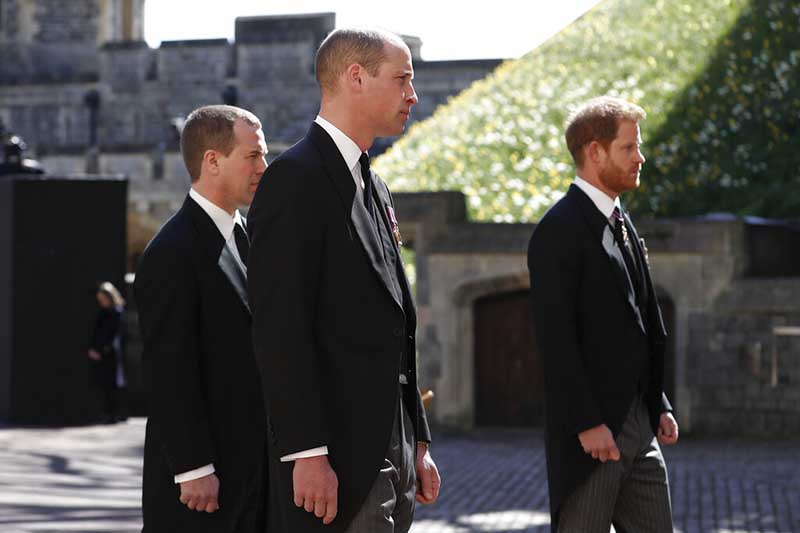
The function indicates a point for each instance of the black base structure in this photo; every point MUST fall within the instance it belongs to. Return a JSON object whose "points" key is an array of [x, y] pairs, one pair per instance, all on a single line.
{"points": [[59, 238]]}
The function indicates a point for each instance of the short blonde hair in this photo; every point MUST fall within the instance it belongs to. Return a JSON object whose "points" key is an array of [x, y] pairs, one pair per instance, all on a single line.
{"points": [[343, 47], [598, 120]]}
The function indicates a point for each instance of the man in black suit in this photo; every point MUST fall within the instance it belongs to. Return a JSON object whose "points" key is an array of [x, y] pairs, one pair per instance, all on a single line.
{"points": [[333, 317], [602, 338], [205, 448]]}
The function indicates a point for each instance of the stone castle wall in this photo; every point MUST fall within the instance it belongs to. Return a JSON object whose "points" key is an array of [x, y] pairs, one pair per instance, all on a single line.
{"points": [[56, 61]]}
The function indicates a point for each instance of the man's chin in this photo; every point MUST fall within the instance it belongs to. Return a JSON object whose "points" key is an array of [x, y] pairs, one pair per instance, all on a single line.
{"points": [[246, 201], [394, 131], [631, 183]]}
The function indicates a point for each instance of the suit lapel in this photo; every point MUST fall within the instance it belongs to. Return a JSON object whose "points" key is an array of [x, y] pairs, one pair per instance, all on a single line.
{"points": [[656, 322], [383, 202], [338, 172], [602, 230], [214, 247], [233, 271]]}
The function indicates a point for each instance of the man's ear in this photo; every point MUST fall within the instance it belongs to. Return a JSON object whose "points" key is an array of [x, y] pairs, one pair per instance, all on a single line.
{"points": [[210, 162], [353, 76], [595, 153]]}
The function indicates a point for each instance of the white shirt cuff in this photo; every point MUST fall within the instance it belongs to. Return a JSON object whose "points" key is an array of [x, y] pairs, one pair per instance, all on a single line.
{"points": [[197, 473], [313, 452]]}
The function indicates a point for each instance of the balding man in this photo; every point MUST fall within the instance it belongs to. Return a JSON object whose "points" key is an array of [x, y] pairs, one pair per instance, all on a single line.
{"points": [[333, 316]]}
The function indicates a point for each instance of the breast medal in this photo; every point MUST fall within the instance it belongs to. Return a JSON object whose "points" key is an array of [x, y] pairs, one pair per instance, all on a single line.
{"points": [[395, 228]]}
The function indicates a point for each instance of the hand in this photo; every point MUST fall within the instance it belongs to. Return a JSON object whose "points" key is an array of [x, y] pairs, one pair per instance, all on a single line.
{"points": [[428, 480], [316, 487], [201, 494], [667, 429], [599, 443], [94, 355]]}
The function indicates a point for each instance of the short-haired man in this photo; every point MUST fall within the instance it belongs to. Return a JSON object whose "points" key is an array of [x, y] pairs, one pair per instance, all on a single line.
{"points": [[205, 449], [601, 337], [333, 317]]}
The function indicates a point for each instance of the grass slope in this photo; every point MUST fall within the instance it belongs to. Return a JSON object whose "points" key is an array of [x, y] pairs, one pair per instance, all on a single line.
{"points": [[718, 78]]}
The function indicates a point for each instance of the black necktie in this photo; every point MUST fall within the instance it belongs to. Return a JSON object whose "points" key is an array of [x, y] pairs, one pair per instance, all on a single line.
{"points": [[625, 246], [367, 177], [621, 236], [242, 242]]}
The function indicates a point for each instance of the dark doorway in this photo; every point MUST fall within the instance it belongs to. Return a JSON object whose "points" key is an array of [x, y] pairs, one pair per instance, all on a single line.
{"points": [[509, 386]]}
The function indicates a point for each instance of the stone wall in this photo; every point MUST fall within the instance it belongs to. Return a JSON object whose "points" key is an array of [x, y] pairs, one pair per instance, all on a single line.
{"points": [[50, 75], [62, 22], [49, 41], [181, 64], [125, 66], [437, 81], [269, 69], [729, 371]]}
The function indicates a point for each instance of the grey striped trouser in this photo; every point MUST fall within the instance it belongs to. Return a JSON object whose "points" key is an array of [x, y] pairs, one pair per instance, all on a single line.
{"points": [[389, 507], [632, 493]]}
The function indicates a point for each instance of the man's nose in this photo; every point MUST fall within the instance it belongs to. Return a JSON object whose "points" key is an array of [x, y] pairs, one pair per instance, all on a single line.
{"points": [[411, 98]]}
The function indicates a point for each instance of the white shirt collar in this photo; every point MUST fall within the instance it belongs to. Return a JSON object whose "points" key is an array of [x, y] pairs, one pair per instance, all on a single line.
{"points": [[219, 216], [348, 148], [600, 199]]}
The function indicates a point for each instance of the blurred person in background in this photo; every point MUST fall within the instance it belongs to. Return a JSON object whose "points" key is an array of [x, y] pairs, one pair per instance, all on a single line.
{"points": [[105, 352]]}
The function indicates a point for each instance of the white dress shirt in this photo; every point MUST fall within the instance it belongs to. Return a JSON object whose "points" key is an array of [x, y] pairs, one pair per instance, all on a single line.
{"points": [[350, 153], [348, 148], [601, 200], [225, 224]]}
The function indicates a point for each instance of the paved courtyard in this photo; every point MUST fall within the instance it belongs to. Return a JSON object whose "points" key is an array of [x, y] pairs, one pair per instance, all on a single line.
{"points": [[88, 479]]}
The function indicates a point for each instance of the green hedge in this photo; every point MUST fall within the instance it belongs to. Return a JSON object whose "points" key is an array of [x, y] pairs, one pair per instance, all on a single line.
{"points": [[718, 78]]}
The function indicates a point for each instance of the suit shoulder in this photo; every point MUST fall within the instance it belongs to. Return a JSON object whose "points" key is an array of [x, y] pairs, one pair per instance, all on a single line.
{"points": [[295, 170], [559, 229], [300, 158], [383, 185], [563, 215], [176, 234], [169, 251]]}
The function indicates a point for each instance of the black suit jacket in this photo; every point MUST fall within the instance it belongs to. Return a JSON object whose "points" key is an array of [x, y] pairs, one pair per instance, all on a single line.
{"points": [[591, 334], [204, 394], [328, 326]]}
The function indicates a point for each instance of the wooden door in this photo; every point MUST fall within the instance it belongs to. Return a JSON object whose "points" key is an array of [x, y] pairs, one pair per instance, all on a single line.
{"points": [[509, 386]]}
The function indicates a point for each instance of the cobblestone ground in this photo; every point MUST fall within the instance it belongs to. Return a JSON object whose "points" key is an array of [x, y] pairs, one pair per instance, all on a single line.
{"points": [[495, 481], [88, 479]]}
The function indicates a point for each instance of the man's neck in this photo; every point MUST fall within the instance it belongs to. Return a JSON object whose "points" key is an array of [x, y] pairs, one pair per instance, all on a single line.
{"points": [[212, 196], [345, 121], [594, 180]]}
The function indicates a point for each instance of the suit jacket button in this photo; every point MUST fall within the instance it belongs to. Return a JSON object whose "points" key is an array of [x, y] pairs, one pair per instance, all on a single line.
{"points": [[398, 332]]}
